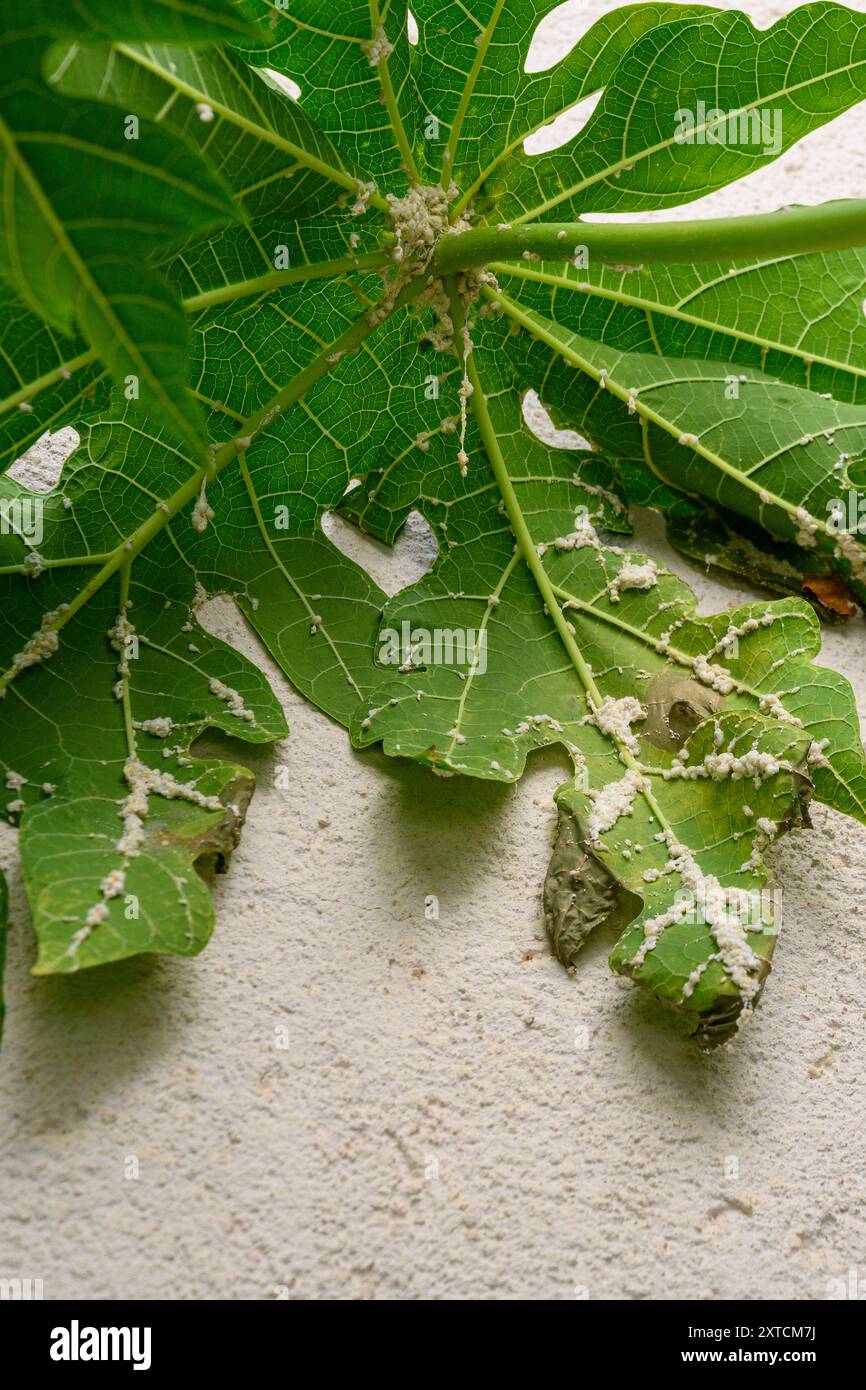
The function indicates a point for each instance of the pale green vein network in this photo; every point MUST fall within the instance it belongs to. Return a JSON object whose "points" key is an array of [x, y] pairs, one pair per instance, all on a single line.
{"points": [[304, 378]]}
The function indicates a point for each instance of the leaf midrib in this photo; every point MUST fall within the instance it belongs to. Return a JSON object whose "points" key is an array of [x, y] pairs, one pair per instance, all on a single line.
{"points": [[629, 161], [675, 311], [528, 320], [29, 178], [263, 133], [449, 158], [529, 553]]}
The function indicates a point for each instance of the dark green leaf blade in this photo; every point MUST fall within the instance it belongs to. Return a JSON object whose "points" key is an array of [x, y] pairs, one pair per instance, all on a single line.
{"points": [[351, 59], [89, 270], [38, 364], [161, 21], [259, 141], [472, 78], [646, 144]]}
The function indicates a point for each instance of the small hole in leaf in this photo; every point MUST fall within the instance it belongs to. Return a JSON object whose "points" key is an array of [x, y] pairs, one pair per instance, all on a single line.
{"points": [[555, 36], [567, 124], [541, 425], [39, 469], [285, 84], [392, 567]]}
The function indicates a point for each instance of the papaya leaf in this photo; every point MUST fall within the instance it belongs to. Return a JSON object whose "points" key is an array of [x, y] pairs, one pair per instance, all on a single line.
{"points": [[718, 539], [259, 141], [703, 936], [643, 672], [773, 453], [797, 318], [352, 62], [81, 774], [89, 273], [124, 635], [336, 302], [164, 21], [475, 135], [668, 127]]}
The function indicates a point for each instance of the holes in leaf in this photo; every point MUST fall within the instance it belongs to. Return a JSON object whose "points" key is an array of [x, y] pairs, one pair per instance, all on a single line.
{"points": [[539, 422], [552, 41], [556, 36], [40, 467], [285, 84], [392, 567], [567, 124]]}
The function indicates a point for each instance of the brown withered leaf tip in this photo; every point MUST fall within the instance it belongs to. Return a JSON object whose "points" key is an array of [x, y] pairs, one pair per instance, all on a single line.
{"points": [[829, 590]]}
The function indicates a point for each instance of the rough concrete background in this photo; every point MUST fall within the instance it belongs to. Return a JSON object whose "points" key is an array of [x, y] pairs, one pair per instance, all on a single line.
{"points": [[436, 1127]]}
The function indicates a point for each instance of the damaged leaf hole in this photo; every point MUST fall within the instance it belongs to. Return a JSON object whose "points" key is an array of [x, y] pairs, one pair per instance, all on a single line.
{"points": [[690, 757]]}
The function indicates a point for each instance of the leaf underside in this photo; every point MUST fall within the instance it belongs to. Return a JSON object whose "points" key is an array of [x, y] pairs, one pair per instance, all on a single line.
{"points": [[196, 301]]}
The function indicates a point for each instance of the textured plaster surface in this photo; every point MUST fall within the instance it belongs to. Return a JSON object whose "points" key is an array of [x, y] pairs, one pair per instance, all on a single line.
{"points": [[454, 1116]]}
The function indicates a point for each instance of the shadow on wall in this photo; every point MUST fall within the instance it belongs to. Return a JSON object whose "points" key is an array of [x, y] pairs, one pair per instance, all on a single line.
{"points": [[88, 1034]]}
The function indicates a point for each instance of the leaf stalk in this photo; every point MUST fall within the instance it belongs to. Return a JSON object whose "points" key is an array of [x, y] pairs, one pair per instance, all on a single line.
{"points": [[796, 231]]}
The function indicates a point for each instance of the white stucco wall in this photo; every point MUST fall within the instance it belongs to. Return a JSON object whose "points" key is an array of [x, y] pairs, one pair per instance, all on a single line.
{"points": [[436, 1127]]}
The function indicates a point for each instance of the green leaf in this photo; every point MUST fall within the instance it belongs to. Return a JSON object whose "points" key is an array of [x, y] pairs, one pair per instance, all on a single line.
{"points": [[706, 924], [350, 88], [719, 539], [106, 527], [330, 364], [649, 143], [773, 453], [657, 626], [37, 361], [166, 21], [259, 141], [101, 886], [471, 78], [564, 627], [89, 271], [799, 318]]}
